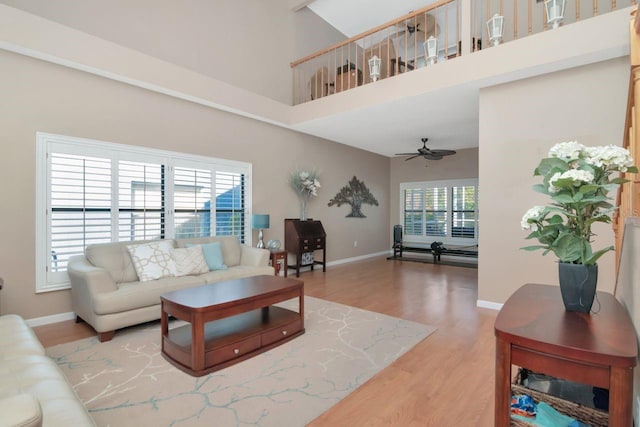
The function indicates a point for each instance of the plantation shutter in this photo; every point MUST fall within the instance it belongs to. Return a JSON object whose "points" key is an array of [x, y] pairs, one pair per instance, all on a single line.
{"points": [[230, 204], [192, 202], [141, 201], [80, 206], [463, 220], [435, 209], [413, 212]]}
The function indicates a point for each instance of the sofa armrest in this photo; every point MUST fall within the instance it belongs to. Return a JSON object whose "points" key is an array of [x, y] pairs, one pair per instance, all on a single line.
{"points": [[83, 274], [21, 410], [254, 256]]}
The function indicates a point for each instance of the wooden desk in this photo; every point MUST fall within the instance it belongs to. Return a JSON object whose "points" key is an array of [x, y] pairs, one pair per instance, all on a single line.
{"points": [[534, 331]]}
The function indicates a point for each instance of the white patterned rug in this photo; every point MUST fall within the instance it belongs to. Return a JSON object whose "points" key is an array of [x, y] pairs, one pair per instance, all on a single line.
{"points": [[126, 382]]}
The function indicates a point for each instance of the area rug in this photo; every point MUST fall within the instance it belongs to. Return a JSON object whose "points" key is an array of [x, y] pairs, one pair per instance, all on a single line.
{"points": [[126, 381]]}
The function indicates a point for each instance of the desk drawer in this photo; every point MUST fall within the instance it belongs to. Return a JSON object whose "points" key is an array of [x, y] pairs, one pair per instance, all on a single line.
{"points": [[231, 351], [281, 332]]}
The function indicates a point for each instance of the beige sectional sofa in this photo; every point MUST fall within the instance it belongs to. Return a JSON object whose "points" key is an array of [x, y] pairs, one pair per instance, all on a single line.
{"points": [[107, 293], [33, 390]]}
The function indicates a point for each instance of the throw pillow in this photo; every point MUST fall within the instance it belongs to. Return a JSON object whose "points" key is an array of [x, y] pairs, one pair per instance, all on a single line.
{"points": [[212, 254], [189, 261], [152, 260]]}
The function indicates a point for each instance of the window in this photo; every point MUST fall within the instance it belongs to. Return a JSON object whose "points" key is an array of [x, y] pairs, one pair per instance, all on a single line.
{"points": [[440, 211], [96, 192]]}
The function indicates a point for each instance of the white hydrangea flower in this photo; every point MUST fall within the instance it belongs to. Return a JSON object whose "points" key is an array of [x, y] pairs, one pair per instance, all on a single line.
{"points": [[609, 157], [303, 175], [532, 214], [578, 176], [567, 151], [554, 178]]}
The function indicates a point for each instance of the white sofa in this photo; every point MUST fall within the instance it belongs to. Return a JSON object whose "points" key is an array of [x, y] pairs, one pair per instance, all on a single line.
{"points": [[33, 390], [107, 294]]}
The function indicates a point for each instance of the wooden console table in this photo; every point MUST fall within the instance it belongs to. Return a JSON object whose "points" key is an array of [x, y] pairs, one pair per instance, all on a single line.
{"points": [[303, 237], [534, 331]]}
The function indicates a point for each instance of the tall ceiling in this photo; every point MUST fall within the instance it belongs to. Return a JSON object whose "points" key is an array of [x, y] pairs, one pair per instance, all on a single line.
{"points": [[448, 118]]}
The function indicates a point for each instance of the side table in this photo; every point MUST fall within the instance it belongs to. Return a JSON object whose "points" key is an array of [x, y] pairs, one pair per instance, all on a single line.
{"points": [[279, 261], [533, 330]]}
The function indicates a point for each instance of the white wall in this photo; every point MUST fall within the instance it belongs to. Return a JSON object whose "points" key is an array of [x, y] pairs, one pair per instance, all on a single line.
{"points": [[519, 122]]}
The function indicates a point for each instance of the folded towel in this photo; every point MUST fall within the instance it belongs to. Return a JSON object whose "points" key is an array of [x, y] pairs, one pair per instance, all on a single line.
{"points": [[546, 416]]}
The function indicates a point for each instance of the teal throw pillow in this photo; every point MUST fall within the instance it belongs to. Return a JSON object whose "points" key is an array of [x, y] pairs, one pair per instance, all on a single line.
{"points": [[212, 254]]}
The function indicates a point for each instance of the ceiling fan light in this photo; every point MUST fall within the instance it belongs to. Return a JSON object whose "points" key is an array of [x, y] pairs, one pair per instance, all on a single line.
{"points": [[374, 67]]}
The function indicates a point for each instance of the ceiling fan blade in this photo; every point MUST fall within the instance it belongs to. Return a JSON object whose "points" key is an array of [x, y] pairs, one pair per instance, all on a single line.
{"points": [[431, 156], [443, 152], [405, 154], [412, 157]]}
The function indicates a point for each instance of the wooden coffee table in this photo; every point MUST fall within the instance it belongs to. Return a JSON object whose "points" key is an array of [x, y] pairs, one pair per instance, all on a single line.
{"points": [[229, 321]]}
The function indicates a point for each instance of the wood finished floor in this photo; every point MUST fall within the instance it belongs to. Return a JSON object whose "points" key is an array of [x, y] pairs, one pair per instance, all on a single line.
{"points": [[446, 380]]}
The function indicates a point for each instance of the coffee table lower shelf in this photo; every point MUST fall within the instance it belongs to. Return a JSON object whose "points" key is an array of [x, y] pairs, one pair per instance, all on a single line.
{"points": [[233, 339]]}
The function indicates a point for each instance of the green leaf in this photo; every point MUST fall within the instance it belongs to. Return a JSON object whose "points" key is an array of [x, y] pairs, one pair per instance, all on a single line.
{"points": [[594, 257], [532, 248], [556, 219], [578, 196], [618, 181], [548, 164], [632, 169], [539, 188], [562, 198], [568, 248], [587, 188]]}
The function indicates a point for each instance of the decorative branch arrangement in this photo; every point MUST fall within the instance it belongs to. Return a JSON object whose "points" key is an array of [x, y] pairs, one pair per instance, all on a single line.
{"points": [[354, 194]]}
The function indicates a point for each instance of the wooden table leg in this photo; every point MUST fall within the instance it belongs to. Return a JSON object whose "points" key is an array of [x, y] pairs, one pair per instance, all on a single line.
{"points": [[503, 384], [197, 342], [621, 397], [301, 307]]}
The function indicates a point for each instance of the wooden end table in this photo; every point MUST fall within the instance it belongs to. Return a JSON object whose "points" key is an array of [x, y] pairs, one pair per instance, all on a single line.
{"points": [[229, 321], [279, 261], [534, 331]]}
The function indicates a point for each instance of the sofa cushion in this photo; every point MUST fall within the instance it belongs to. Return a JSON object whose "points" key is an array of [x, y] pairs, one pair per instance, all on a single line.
{"points": [[212, 254], [189, 260], [131, 296], [153, 260], [237, 272], [231, 249], [115, 258]]}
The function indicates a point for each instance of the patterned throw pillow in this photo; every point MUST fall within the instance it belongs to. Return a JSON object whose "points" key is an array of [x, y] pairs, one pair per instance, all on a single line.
{"points": [[152, 260], [212, 254], [189, 261]]}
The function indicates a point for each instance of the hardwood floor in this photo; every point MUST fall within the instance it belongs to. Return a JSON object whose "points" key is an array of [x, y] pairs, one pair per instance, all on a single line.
{"points": [[446, 380]]}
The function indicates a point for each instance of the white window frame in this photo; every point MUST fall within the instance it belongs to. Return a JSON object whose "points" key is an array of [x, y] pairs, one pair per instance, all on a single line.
{"points": [[448, 184], [47, 143]]}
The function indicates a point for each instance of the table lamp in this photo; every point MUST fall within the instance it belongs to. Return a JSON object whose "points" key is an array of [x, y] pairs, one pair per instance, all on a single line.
{"points": [[260, 222]]}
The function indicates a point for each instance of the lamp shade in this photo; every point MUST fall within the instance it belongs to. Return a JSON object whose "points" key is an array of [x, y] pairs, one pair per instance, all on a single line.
{"points": [[260, 221]]}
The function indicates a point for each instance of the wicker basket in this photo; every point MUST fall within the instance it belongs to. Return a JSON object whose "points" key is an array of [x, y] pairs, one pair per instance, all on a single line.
{"points": [[584, 414]]}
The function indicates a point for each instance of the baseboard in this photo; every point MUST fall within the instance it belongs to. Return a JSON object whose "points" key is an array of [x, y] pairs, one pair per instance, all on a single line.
{"points": [[357, 258], [488, 304], [54, 318]]}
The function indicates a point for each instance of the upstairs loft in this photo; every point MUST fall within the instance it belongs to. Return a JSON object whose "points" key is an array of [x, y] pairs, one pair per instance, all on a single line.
{"points": [[442, 31]]}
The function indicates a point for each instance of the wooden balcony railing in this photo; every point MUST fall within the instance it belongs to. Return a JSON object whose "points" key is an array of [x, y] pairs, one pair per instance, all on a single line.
{"points": [[458, 25], [628, 200]]}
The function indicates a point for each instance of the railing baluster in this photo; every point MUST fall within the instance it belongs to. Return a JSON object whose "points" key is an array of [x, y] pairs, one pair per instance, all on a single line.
{"points": [[515, 19], [595, 7], [577, 10]]}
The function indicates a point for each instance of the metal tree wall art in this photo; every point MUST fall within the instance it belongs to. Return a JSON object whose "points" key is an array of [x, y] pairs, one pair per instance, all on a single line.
{"points": [[354, 194]]}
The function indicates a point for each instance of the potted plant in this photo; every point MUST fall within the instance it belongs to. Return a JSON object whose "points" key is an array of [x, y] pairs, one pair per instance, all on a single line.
{"points": [[578, 180]]}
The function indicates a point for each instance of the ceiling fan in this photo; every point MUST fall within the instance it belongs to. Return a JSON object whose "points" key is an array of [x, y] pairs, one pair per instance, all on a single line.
{"points": [[427, 153], [421, 23]]}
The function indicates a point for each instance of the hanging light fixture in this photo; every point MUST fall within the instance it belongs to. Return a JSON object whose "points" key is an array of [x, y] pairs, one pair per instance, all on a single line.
{"points": [[431, 50], [555, 11], [374, 67], [494, 26]]}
